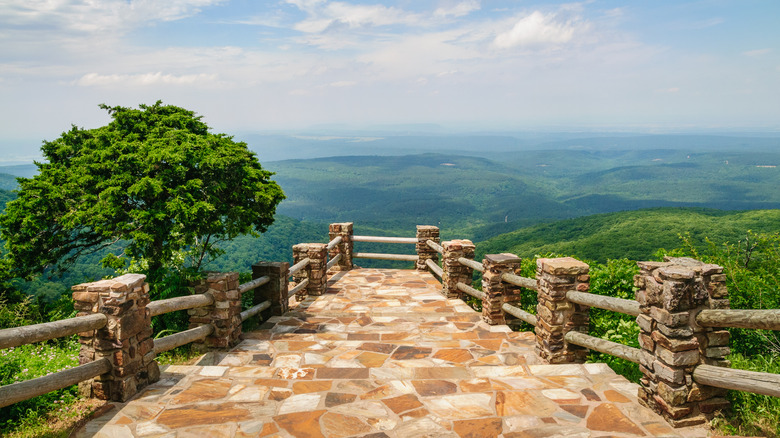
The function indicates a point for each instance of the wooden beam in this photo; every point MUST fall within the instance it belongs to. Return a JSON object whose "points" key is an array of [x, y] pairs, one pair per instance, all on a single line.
{"points": [[519, 313], [478, 294], [178, 339], [747, 318], [254, 284], [378, 239], [528, 283], [477, 266], [28, 334], [602, 345], [620, 305], [434, 267], [179, 303], [740, 380], [16, 392], [371, 255]]}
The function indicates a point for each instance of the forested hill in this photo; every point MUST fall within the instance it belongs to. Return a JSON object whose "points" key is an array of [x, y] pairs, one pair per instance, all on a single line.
{"points": [[631, 234]]}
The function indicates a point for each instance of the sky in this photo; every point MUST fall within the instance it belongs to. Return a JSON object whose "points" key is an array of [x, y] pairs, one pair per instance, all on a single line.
{"points": [[294, 65]]}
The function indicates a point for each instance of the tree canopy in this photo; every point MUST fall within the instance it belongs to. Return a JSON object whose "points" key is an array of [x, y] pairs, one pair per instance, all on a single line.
{"points": [[155, 177]]}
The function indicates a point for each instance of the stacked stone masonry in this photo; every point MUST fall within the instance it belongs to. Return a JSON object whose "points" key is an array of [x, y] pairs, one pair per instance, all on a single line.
{"points": [[670, 295], [275, 290], [497, 292], [345, 247], [224, 314], [556, 315], [454, 271], [126, 340], [315, 271], [425, 252]]}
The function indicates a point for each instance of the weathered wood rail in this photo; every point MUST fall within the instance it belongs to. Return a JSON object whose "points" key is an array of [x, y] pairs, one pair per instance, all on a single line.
{"points": [[681, 308]]}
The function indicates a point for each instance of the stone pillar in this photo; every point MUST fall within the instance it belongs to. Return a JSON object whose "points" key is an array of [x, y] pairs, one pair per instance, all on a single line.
{"points": [[454, 271], [670, 295], [344, 248], [275, 290], [314, 271], [126, 340], [555, 314], [425, 252], [497, 291], [224, 314]]}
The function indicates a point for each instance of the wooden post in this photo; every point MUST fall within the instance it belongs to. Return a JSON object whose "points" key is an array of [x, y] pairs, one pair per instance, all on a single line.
{"points": [[670, 295], [497, 292], [224, 314], [275, 290], [555, 314], [345, 230], [454, 271], [126, 340], [425, 252]]}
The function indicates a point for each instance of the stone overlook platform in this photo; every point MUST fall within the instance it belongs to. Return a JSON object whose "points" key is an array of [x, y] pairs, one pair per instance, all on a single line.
{"points": [[382, 354]]}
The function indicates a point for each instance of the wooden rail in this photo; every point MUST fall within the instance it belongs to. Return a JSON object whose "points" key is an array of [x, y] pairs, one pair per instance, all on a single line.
{"points": [[478, 294], [252, 311], [740, 380], [371, 255], [333, 261], [299, 287], [528, 283], [179, 303], [16, 392], [257, 282], [377, 239], [520, 314], [434, 246], [298, 266], [334, 242], [434, 267], [751, 319], [620, 305], [477, 266], [604, 346], [28, 334], [178, 339]]}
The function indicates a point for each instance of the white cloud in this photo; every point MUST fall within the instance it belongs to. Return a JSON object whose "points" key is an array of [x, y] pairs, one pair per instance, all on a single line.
{"points": [[458, 10], [672, 90], [145, 79], [538, 29], [757, 52], [325, 15], [342, 84], [96, 16]]}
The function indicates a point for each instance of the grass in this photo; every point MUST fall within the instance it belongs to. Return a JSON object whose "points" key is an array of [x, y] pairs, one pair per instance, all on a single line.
{"points": [[57, 413]]}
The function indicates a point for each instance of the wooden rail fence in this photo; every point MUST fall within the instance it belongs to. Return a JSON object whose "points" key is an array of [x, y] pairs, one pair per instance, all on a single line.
{"points": [[681, 308]]}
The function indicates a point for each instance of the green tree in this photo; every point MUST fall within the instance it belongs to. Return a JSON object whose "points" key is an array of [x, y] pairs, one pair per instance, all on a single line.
{"points": [[154, 177]]}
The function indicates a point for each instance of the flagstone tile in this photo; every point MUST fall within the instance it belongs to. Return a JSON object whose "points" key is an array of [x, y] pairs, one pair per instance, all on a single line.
{"points": [[509, 403], [461, 406], [608, 418], [382, 354], [301, 424]]}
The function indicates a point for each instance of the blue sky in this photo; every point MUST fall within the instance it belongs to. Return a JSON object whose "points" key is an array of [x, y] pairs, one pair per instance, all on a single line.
{"points": [[464, 64]]}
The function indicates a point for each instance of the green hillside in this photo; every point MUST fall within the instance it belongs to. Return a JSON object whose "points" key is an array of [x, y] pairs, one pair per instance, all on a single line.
{"points": [[397, 193], [630, 234]]}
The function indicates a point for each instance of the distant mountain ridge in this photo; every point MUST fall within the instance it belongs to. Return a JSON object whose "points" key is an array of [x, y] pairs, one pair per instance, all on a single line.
{"points": [[634, 235]]}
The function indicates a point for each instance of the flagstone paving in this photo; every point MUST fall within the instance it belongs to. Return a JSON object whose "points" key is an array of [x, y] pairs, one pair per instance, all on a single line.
{"points": [[382, 354]]}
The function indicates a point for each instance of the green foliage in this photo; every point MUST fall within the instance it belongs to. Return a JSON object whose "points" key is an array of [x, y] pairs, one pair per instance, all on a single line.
{"points": [[752, 268], [31, 361], [154, 177], [634, 235]]}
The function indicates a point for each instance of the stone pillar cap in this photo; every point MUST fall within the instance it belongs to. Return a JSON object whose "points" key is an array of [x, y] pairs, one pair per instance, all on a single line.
{"points": [[563, 266], [426, 227], [502, 258]]}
